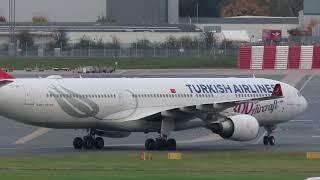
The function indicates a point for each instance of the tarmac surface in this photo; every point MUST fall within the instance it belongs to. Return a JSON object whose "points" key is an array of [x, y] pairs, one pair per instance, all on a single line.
{"points": [[300, 134]]}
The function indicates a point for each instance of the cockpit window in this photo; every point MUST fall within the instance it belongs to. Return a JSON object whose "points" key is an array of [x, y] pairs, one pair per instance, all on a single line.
{"points": [[299, 94]]}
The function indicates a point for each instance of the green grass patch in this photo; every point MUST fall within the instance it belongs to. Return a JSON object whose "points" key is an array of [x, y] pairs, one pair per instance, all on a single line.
{"points": [[201, 165], [123, 63]]}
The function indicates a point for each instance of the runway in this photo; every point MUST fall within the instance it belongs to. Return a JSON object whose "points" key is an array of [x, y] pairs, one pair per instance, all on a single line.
{"points": [[301, 134]]}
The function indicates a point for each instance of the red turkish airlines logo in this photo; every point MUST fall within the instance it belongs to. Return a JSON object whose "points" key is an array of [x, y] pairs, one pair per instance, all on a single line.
{"points": [[277, 91]]}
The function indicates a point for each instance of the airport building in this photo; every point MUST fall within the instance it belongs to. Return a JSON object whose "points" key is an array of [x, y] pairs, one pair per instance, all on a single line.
{"points": [[120, 11], [130, 20], [311, 14], [57, 10], [151, 12]]}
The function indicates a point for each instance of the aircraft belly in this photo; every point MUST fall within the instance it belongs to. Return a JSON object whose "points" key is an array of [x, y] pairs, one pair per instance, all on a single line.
{"points": [[147, 125]]}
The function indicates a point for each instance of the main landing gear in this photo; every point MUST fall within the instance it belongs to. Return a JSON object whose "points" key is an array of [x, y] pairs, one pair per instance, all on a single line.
{"points": [[163, 143], [88, 142], [268, 139]]}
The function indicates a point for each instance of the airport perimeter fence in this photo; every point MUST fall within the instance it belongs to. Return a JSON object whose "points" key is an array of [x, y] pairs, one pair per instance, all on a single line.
{"points": [[172, 47], [217, 53]]}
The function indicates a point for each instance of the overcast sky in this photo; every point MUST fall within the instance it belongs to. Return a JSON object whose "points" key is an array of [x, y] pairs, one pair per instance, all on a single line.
{"points": [[56, 10]]}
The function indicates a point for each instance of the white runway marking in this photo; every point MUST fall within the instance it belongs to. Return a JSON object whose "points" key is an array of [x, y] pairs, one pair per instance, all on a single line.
{"points": [[121, 71], [316, 136], [32, 136], [306, 83], [208, 138], [293, 79], [301, 120]]}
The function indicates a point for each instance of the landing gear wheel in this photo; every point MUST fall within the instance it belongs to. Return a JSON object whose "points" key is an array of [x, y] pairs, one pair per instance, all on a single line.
{"points": [[77, 143], [88, 142], [171, 144], [271, 140], [150, 145], [99, 143], [161, 144], [266, 140]]}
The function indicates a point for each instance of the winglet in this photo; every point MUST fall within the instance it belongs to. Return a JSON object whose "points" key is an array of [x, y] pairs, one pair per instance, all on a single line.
{"points": [[4, 75], [277, 91]]}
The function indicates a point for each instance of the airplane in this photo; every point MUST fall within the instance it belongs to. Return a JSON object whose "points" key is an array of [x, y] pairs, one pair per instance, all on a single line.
{"points": [[234, 108]]}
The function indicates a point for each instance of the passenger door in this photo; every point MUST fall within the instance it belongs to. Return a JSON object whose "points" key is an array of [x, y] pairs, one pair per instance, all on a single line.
{"points": [[29, 97]]}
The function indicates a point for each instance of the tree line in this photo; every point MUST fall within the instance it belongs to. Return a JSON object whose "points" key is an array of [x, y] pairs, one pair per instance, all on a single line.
{"points": [[226, 8], [60, 39]]}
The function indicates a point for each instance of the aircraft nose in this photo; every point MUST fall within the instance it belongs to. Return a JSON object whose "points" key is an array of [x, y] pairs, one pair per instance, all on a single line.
{"points": [[304, 103]]}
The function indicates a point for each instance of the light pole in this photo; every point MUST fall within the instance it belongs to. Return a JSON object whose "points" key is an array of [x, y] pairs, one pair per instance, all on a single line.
{"points": [[106, 9], [89, 53], [26, 48], [197, 12], [12, 25]]}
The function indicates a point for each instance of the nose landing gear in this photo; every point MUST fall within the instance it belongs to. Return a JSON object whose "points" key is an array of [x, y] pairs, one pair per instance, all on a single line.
{"points": [[268, 139], [88, 142]]}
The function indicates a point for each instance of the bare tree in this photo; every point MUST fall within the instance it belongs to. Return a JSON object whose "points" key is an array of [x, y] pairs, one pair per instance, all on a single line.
{"points": [[244, 8], [61, 38], [25, 39], [171, 43], [209, 39], [296, 6], [141, 44]]}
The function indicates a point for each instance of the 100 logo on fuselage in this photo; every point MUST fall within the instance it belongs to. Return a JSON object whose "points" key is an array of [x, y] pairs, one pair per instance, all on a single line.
{"points": [[252, 108]]}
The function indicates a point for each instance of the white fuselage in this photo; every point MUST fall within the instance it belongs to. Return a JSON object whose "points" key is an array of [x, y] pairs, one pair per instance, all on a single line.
{"points": [[132, 104]]}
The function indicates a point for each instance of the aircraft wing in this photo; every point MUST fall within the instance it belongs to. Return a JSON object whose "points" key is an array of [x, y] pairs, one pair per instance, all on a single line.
{"points": [[5, 82]]}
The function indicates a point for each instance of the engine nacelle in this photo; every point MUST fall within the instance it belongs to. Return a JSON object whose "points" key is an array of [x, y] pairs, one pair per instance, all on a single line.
{"points": [[112, 134], [237, 128]]}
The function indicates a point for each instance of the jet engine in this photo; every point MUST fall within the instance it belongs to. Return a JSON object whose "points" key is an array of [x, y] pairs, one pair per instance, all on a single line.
{"points": [[237, 128], [112, 134]]}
